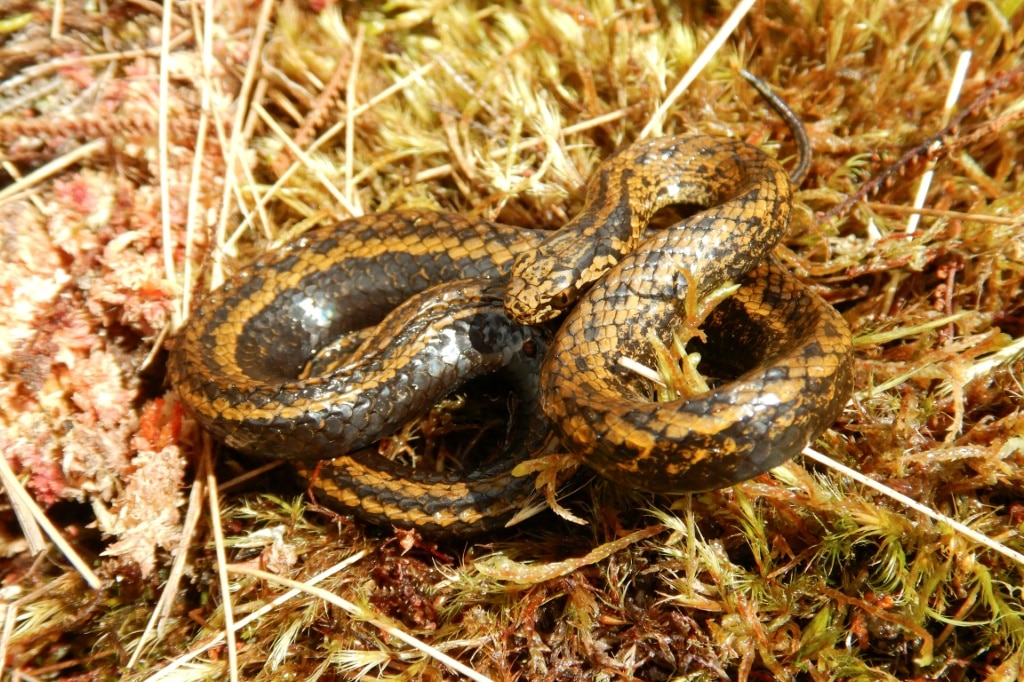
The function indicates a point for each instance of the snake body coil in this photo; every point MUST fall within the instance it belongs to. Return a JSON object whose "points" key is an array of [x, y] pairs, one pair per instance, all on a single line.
{"points": [[237, 361], [800, 374]]}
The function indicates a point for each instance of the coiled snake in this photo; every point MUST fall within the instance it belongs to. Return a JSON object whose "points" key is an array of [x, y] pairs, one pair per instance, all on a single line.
{"points": [[443, 283]]}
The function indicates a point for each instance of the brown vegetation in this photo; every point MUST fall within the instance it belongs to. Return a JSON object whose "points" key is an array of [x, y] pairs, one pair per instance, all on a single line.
{"points": [[144, 155]]}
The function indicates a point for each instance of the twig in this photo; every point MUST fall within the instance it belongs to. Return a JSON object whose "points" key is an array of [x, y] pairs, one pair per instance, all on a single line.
{"points": [[304, 157], [52, 168], [242, 105], [365, 615], [28, 511], [926, 149], [162, 609], [658, 117], [940, 213], [352, 203], [222, 573], [529, 143], [955, 86], [328, 135], [915, 505], [163, 149], [255, 615]]}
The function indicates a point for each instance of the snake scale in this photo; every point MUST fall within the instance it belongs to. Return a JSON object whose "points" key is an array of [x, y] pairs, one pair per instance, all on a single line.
{"points": [[455, 297]]}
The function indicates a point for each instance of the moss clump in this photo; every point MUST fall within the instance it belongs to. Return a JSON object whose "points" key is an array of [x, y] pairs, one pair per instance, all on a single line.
{"points": [[295, 115]]}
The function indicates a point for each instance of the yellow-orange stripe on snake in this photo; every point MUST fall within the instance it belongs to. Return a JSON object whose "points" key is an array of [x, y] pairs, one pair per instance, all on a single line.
{"points": [[443, 283]]}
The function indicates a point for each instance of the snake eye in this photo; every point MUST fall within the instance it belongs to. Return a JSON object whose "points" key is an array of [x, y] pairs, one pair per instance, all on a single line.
{"points": [[563, 299]]}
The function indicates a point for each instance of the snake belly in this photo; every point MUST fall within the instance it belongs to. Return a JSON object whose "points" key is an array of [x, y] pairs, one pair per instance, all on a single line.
{"points": [[438, 278], [799, 374]]}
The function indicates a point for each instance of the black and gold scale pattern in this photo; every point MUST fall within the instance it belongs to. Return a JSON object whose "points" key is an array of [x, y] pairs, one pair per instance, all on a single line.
{"points": [[447, 309]]}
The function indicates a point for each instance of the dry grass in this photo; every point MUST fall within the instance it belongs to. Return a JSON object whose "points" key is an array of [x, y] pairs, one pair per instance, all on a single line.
{"points": [[137, 171]]}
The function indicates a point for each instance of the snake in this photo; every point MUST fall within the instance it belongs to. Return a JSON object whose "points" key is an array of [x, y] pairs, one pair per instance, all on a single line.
{"points": [[272, 362], [449, 297]]}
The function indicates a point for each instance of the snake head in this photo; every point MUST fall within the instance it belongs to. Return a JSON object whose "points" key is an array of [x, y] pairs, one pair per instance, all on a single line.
{"points": [[539, 290]]}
